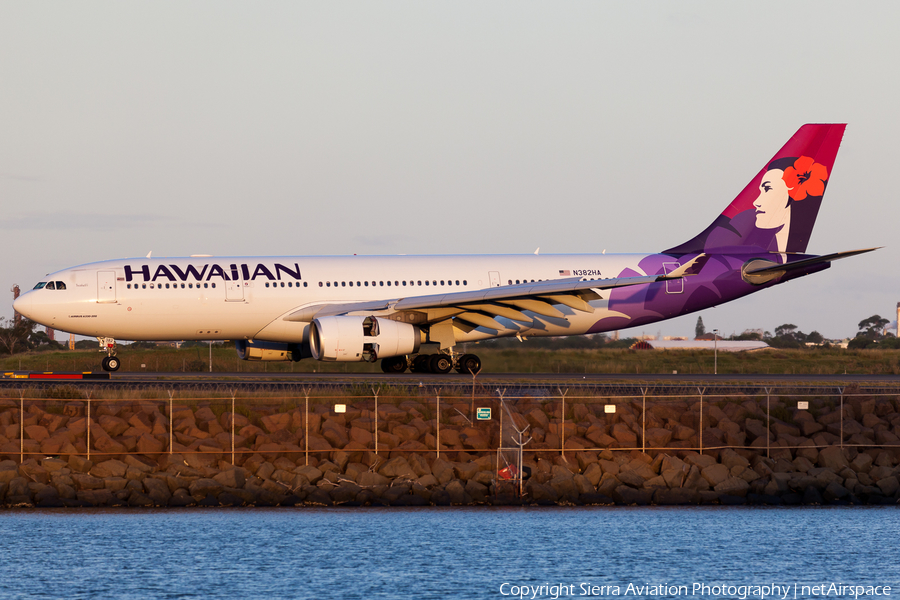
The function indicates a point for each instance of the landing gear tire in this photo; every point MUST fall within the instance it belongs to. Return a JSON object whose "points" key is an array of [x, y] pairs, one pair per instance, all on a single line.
{"points": [[393, 364], [111, 363], [468, 364], [440, 364], [420, 363]]}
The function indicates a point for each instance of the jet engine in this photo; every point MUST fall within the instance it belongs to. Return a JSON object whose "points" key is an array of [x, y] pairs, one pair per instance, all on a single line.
{"points": [[357, 338], [256, 350]]}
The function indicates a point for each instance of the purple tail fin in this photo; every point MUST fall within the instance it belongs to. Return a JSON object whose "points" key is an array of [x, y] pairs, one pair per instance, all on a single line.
{"points": [[776, 211]]}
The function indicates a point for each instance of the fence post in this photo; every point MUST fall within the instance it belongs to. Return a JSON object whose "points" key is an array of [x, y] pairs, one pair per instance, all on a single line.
{"points": [[644, 421], [306, 425], [232, 422], [375, 393], [562, 423], [768, 421], [841, 390], [700, 432], [87, 426], [438, 428], [171, 417], [22, 428]]}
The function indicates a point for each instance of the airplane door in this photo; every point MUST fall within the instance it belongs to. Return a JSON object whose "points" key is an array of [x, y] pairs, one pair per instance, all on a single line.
{"points": [[673, 286], [495, 278], [106, 286], [234, 290]]}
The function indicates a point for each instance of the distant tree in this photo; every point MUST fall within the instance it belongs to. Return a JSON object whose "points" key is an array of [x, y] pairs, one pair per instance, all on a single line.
{"points": [[700, 328], [815, 338], [788, 330], [748, 334], [14, 335], [873, 327]]}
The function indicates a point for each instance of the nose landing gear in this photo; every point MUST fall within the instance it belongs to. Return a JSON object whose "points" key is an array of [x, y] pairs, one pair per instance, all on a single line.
{"points": [[111, 362]]}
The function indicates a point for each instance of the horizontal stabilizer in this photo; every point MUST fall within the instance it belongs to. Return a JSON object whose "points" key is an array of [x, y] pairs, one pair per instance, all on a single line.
{"points": [[802, 264]]}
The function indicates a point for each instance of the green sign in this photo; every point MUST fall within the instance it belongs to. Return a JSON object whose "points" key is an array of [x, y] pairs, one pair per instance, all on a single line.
{"points": [[483, 414]]}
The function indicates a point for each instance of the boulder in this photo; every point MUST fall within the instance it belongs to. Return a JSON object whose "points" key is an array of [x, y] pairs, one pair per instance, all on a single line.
{"points": [[630, 496], [157, 490], [232, 478], [832, 458], [732, 486], [624, 435], [457, 493], [109, 468], [715, 474], [542, 493], [731, 459], [200, 488], [398, 467], [889, 485], [370, 479]]}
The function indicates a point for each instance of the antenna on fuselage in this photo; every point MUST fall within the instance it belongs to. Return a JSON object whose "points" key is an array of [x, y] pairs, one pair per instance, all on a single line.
{"points": [[149, 253]]}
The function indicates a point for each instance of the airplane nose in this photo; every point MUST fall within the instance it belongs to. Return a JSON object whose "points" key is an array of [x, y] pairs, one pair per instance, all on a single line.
{"points": [[22, 305]]}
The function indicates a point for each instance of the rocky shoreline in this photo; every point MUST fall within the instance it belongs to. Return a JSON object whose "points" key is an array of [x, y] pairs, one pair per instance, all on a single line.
{"points": [[291, 457]]}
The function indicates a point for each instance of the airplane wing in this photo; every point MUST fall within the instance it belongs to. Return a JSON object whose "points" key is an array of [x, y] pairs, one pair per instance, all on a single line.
{"points": [[481, 307]]}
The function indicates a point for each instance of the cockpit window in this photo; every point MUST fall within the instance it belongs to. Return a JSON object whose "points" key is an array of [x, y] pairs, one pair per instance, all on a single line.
{"points": [[40, 285], [50, 286], [60, 285]]}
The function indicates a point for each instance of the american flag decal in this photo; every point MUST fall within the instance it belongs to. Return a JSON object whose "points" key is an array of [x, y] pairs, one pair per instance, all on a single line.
{"points": [[566, 272]]}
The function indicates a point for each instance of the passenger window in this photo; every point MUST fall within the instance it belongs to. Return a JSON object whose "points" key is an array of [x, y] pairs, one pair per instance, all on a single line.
{"points": [[267, 284], [367, 284], [182, 286], [404, 284], [328, 283], [465, 282], [343, 284], [357, 284], [442, 282], [420, 283], [167, 286], [304, 284], [290, 284], [214, 285], [380, 283], [457, 282], [351, 284], [426, 282], [206, 285], [282, 284]]}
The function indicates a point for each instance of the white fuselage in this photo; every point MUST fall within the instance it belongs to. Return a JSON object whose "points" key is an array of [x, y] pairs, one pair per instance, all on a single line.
{"points": [[243, 298]]}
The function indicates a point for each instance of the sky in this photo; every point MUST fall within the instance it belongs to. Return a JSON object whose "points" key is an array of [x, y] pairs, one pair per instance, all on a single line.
{"points": [[316, 128]]}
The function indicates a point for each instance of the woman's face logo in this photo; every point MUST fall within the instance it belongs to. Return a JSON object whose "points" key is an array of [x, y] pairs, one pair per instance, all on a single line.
{"points": [[772, 205]]}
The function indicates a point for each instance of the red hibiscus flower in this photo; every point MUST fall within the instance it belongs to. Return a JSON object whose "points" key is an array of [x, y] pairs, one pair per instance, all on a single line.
{"points": [[805, 178]]}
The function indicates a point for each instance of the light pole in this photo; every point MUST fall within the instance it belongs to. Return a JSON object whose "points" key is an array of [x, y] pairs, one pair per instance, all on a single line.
{"points": [[715, 351]]}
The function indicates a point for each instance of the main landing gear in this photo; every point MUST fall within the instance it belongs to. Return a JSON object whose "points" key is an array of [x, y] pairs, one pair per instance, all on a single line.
{"points": [[439, 364], [111, 362]]}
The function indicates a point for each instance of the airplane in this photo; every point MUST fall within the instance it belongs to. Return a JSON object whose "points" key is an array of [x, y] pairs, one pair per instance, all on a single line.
{"points": [[410, 312]]}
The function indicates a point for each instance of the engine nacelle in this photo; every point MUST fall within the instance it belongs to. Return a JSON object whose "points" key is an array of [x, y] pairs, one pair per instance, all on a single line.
{"points": [[357, 339], [256, 350]]}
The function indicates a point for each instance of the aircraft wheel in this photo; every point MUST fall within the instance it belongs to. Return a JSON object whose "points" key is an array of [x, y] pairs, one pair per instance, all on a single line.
{"points": [[393, 364], [111, 363], [468, 364], [420, 363], [440, 364]]}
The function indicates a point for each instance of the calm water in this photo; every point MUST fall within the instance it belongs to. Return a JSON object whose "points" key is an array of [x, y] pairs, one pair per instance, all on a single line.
{"points": [[442, 553]]}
